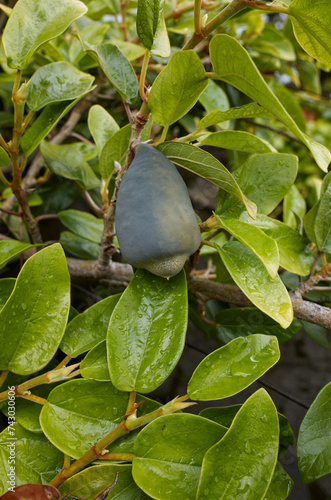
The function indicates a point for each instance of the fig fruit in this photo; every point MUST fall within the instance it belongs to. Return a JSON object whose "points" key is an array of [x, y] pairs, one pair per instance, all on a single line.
{"points": [[156, 226]]}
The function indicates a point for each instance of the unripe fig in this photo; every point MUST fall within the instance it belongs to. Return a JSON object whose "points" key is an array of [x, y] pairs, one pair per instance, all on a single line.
{"points": [[156, 226]]}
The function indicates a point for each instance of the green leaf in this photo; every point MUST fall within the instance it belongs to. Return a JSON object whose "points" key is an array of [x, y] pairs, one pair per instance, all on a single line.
{"points": [[239, 322], [89, 328], [146, 332], [294, 254], [205, 165], [247, 271], [32, 24], [102, 126], [264, 247], [34, 318], [314, 439], [59, 81], [274, 43], [233, 367], [311, 23], [169, 454], [36, 459], [89, 482], [232, 64], [132, 51], [9, 249], [151, 27], [116, 67], [114, 150], [294, 205], [281, 485], [4, 158], [237, 140], [95, 363], [6, 288], [182, 81], [251, 110], [78, 246], [317, 333], [322, 225], [90, 410], [92, 33], [242, 464], [290, 103], [83, 224], [68, 162], [264, 179], [214, 98]]}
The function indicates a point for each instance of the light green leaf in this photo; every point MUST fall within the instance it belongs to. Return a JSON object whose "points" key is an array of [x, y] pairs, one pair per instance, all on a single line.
{"points": [[233, 367], [146, 332], [237, 140], [34, 318], [205, 165], [132, 51], [264, 247], [294, 205], [251, 110], [89, 328], [248, 272], [67, 161], [4, 158], [294, 253], [264, 179], [6, 288], [58, 81], [182, 81], [311, 23], [92, 33], [274, 43], [91, 410], [322, 225], [33, 23], [151, 27], [78, 246], [169, 454], [102, 125], [9, 249], [36, 459], [233, 64], [83, 224], [95, 363], [242, 464], [116, 67], [213, 98], [114, 150], [314, 439], [281, 485]]}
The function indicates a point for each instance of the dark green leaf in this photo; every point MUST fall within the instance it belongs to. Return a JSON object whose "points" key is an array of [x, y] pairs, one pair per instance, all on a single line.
{"points": [[9, 249], [83, 224], [281, 485], [95, 363], [322, 226], [251, 110], [317, 333], [151, 27], [78, 246], [6, 288]]}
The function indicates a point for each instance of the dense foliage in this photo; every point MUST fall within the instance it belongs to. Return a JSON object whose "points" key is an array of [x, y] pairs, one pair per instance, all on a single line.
{"points": [[82, 84]]}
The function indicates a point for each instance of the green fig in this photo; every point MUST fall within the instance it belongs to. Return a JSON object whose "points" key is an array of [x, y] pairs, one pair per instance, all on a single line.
{"points": [[156, 226]]}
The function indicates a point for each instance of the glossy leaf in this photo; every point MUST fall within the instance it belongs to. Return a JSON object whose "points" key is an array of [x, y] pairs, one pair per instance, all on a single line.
{"points": [[264, 179], [311, 23], [294, 253], [317, 333], [37, 461], [89, 328], [237, 140], [322, 225], [146, 332], [251, 110], [102, 125], [269, 295], [151, 27], [83, 224], [182, 81], [90, 410], [233, 367], [116, 67], [59, 81], [205, 165], [314, 439], [242, 464], [6, 288], [68, 162], [239, 70], [89, 482], [95, 363], [78, 246], [281, 485], [34, 318], [294, 205], [4, 158], [92, 33], [41, 22], [169, 454], [9, 249], [114, 150], [264, 247]]}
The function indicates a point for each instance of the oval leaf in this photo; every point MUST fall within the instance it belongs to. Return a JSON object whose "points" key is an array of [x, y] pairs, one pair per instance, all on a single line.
{"points": [[102, 125], [95, 363], [251, 110], [34, 318], [233, 367], [146, 332], [83, 224], [237, 140], [114, 150]]}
